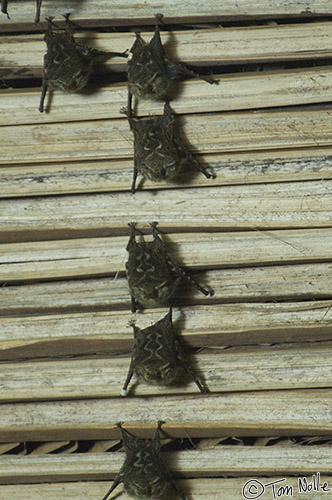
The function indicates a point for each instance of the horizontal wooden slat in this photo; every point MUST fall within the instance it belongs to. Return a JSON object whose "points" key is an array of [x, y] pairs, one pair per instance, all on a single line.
{"points": [[221, 460], [234, 92], [22, 13], [201, 326], [240, 369], [103, 175], [93, 256], [22, 55], [272, 413], [262, 206], [295, 282], [198, 489], [207, 133]]}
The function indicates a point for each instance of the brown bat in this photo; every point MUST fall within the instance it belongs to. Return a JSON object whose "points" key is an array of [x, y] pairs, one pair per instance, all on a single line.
{"points": [[153, 276], [143, 473], [158, 155], [67, 64], [158, 357], [151, 73], [4, 5]]}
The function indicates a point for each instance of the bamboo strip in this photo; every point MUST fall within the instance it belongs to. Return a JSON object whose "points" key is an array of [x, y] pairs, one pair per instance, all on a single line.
{"points": [[292, 282], [100, 256], [208, 133], [241, 369], [234, 92], [188, 10], [238, 168], [272, 413], [263, 206], [221, 460], [201, 326], [22, 55], [198, 489]]}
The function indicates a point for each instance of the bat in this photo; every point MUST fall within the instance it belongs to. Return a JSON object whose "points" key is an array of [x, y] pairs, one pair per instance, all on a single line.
{"points": [[158, 155], [151, 73], [153, 276], [67, 64], [143, 473], [158, 357]]}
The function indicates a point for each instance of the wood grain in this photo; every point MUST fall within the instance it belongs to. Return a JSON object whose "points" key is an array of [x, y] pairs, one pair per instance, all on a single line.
{"points": [[240, 461], [21, 12], [235, 91], [299, 366], [103, 175], [201, 326], [243, 284], [197, 489], [225, 208], [22, 55], [266, 413], [207, 133], [107, 256]]}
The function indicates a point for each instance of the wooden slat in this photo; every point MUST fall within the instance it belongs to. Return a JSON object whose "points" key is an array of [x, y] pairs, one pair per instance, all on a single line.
{"points": [[22, 55], [201, 326], [262, 206], [103, 175], [265, 413], [22, 13], [220, 460], [240, 369], [93, 256], [234, 92], [295, 282], [198, 489], [207, 133]]}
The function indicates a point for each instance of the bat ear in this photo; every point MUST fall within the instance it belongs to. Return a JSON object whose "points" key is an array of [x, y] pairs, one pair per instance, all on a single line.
{"points": [[138, 44], [168, 115], [133, 232], [168, 318], [155, 41], [165, 324]]}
